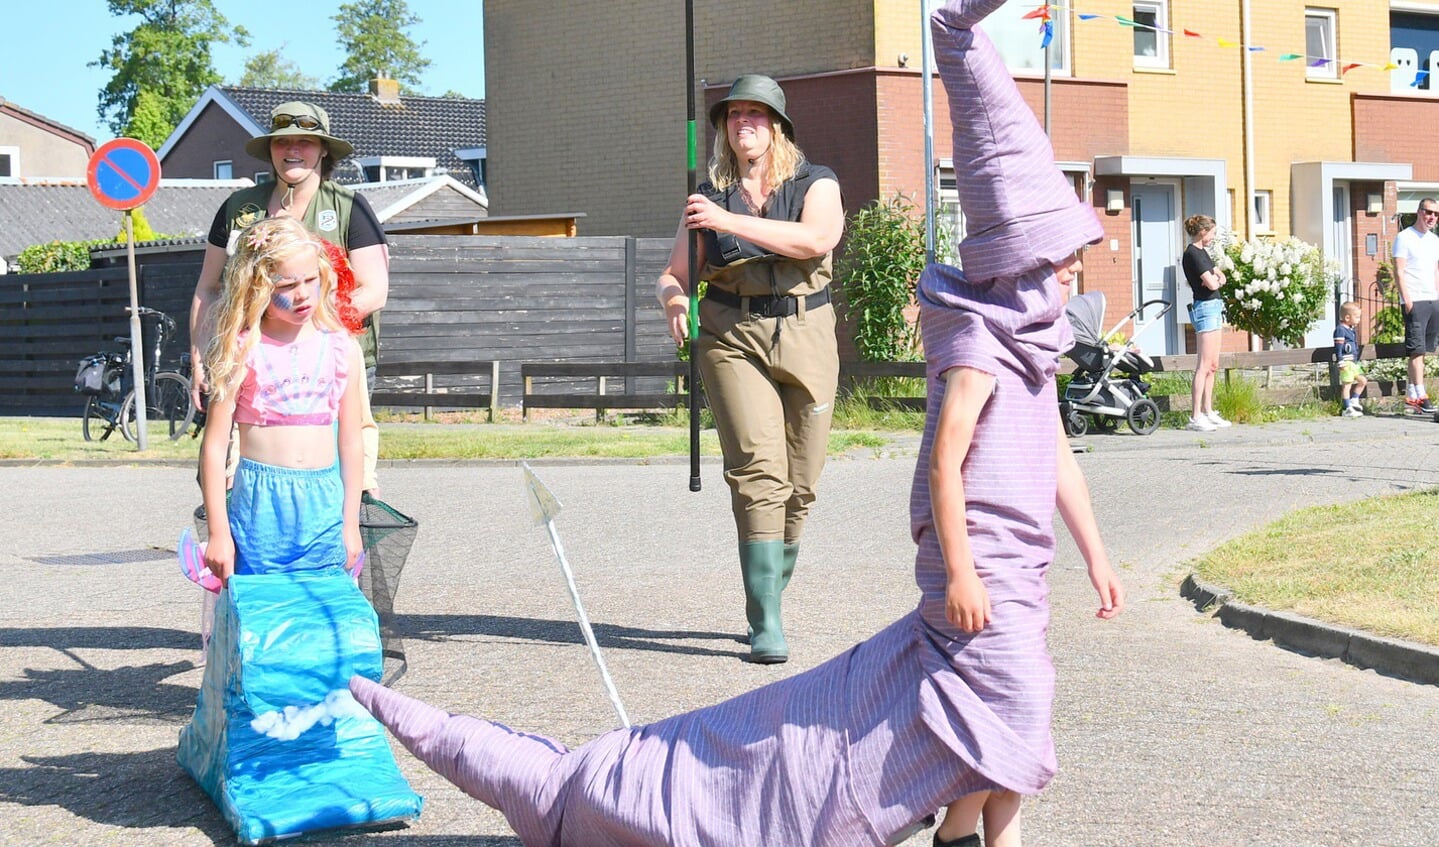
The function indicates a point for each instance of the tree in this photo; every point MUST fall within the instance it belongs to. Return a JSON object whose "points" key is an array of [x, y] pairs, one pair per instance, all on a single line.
{"points": [[150, 122], [372, 32], [167, 56], [271, 70]]}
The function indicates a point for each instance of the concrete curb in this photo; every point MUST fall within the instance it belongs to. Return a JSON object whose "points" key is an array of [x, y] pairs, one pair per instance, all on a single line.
{"points": [[1402, 659]]}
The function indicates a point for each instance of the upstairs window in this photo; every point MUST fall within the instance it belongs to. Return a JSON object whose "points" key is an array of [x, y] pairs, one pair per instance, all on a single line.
{"points": [[1321, 43], [1151, 39]]}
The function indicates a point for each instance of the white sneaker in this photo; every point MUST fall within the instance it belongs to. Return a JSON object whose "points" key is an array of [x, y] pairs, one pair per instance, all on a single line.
{"points": [[1353, 412], [1201, 424], [1219, 423]]}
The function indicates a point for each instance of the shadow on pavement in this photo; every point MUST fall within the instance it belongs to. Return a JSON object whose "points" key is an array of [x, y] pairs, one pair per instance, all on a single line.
{"points": [[140, 790], [441, 627], [129, 695], [105, 637], [147, 790]]}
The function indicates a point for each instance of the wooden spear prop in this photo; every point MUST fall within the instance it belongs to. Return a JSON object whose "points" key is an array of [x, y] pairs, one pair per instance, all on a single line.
{"points": [[694, 252]]}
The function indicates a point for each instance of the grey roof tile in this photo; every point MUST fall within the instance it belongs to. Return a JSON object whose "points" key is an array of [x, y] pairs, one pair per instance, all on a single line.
{"points": [[417, 126]]}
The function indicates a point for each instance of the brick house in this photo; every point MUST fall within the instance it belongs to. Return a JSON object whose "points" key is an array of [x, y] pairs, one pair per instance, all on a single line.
{"points": [[1151, 123], [395, 137], [35, 147]]}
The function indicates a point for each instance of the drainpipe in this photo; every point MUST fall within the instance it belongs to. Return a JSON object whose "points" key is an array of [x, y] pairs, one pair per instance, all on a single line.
{"points": [[930, 195], [1248, 86], [1247, 75]]}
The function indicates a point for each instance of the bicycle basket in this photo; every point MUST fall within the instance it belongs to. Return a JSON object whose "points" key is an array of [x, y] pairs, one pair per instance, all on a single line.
{"points": [[96, 377]]}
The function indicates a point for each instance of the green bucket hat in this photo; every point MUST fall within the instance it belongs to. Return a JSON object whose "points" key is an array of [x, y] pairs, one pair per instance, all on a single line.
{"points": [[756, 88], [298, 118]]}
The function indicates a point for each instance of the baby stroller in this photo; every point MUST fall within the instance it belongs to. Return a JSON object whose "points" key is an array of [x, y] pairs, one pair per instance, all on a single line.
{"points": [[1106, 384]]}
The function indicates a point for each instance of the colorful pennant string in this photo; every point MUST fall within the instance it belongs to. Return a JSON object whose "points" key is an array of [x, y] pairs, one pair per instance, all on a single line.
{"points": [[1046, 11]]}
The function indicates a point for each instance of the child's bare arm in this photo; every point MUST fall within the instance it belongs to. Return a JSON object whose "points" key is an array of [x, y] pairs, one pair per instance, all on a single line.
{"points": [[220, 550], [352, 451], [966, 392], [1072, 498]]}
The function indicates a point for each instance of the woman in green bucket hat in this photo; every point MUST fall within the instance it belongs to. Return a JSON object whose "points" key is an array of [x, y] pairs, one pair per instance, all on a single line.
{"points": [[769, 222], [301, 153]]}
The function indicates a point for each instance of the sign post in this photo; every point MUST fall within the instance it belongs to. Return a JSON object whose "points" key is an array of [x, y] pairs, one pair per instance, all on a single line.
{"points": [[124, 174]]}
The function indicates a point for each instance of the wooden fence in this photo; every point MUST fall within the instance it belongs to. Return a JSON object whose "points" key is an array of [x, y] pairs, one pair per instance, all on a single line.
{"points": [[452, 299]]}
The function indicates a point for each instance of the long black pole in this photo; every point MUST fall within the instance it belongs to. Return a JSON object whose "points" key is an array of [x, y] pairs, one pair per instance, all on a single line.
{"points": [[694, 236]]}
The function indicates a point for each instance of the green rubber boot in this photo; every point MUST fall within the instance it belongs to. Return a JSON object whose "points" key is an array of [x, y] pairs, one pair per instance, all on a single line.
{"points": [[791, 555], [762, 564]]}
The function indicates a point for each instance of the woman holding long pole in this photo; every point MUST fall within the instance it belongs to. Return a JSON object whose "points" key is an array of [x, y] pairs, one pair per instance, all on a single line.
{"points": [[768, 223]]}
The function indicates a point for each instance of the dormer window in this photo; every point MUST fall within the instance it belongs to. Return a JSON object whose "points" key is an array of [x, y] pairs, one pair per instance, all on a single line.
{"points": [[395, 168]]}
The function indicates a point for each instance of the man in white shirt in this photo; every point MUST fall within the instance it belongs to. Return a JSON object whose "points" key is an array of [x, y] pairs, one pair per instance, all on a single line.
{"points": [[1416, 260]]}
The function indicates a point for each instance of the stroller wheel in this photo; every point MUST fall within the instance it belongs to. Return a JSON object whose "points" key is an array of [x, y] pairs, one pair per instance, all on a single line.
{"points": [[1075, 423], [1143, 416]]}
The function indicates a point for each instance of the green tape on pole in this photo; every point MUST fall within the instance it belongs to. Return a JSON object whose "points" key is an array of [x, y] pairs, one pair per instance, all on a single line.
{"points": [[693, 145]]}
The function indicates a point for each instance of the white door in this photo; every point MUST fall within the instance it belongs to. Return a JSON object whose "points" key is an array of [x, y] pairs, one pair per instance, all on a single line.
{"points": [[1156, 257], [1341, 245]]}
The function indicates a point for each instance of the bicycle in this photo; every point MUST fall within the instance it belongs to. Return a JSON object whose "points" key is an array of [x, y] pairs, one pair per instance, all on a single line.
{"points": [[107, 378]]}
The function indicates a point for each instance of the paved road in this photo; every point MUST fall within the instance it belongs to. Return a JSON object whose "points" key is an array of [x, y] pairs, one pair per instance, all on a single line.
{"points": [[1172, 730]]}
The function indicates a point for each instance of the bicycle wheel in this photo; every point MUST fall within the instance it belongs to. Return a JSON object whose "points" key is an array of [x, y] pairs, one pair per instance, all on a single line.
{"points": [[97, 425], [172, 403], [168, 412]]}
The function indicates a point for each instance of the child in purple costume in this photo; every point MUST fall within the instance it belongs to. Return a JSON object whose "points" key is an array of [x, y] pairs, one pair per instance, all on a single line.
{"points": [[950, 705]]}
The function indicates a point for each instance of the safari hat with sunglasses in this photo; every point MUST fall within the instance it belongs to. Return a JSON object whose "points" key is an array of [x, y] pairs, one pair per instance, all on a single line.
{"points": [[298, 118]]}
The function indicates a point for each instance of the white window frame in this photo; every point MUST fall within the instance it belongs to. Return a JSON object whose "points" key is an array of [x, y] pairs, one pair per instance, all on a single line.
{"points": [[1018, 40], [1261, 207], [1330, 69], [227, 164], [14, 154], [383, 163], [1160, 9], [263, 176]]}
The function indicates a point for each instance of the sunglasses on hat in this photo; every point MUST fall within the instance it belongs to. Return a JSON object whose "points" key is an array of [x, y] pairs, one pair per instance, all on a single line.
{"points": [[301, 121]]}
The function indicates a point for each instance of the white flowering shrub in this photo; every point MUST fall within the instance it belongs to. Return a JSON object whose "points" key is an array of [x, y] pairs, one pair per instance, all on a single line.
{"points": [[1273, 289]]}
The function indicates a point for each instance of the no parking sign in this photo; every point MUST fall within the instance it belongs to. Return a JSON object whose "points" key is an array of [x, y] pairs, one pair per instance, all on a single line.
{"points": [[123, 174]]}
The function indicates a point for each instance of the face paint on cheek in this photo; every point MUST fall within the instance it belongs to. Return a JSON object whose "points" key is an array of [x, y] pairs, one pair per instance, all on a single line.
{"points": [[282, 301]]}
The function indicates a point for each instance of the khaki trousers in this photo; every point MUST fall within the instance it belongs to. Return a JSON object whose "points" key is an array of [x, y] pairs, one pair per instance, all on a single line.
{"points": [[771, 384]]}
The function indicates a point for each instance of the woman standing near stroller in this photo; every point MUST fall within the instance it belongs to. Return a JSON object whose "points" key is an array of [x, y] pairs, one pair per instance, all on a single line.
{"points": [[1207, 315]]}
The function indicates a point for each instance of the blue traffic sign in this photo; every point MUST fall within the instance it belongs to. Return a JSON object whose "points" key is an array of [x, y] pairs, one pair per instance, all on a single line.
{"points": [[123, 174]]}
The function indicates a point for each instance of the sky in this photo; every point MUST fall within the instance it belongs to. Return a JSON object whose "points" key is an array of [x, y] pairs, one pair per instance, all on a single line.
{"points": [[47, 46]]}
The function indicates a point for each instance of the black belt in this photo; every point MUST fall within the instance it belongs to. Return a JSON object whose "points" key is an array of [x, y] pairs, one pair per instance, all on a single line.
{"points": [[769, 306]]}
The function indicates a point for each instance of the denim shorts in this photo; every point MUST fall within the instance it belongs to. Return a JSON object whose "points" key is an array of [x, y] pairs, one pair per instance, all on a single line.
{"points": [[1207, 315]]}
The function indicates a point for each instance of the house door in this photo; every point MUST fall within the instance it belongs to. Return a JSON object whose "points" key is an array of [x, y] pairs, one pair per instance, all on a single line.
{"points": [[1341, 247], [1156, 253]]}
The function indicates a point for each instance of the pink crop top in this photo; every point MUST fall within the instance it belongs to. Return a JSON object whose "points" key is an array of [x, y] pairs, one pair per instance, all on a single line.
{"points": [[294, 384]]}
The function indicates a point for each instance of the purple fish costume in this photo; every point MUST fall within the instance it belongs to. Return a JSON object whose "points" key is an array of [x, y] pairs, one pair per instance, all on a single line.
{"points": [[862, 748]]}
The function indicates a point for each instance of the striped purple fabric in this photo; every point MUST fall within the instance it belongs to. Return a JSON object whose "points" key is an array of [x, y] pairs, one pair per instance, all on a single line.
{"points": [[1020, 211], [856, 751]]}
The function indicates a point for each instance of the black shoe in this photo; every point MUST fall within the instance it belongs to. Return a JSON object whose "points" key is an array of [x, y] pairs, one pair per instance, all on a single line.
{"points": [[971, 840]]}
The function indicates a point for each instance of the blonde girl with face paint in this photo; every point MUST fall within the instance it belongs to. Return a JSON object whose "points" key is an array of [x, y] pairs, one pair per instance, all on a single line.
{"points": [[283, 368]]}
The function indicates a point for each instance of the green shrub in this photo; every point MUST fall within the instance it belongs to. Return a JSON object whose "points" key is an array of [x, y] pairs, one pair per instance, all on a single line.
{"points": [[57, 256], [883, 258]]}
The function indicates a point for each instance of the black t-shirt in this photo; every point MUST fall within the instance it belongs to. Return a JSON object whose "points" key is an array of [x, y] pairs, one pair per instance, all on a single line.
{"points": [[785, 203], [365, 229], [1196, 263]]}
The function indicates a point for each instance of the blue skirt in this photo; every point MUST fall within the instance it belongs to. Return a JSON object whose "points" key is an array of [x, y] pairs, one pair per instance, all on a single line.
{"points": [[287, 519]]}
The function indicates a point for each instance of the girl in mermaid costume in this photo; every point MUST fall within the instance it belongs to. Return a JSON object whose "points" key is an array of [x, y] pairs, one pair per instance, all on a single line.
{"points": [[950, 705]]}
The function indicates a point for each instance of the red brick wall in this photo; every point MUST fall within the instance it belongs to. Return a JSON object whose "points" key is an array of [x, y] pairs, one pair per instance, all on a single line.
{"points": [[214, 136], [1391, 128]]}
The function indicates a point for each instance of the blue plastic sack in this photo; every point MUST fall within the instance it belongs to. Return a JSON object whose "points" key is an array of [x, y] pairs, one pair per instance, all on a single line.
{"points": [[276, 740]]}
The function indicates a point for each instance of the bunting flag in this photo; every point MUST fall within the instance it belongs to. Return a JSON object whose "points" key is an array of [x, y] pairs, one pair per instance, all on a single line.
{"points": [[1045, 13]]}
